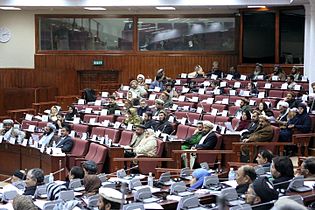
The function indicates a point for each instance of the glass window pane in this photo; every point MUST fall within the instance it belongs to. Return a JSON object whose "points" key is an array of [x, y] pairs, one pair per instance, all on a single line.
{"points": [[292, 36], [216, 34], [86, 33], [259, 37]]}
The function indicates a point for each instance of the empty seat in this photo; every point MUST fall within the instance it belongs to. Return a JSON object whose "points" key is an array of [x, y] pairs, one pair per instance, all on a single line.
{"points": [[194, 116], [27, 123], [191, 131], [87, 118], [125, 137], [209, 117], [80, 129], [219, 107], [233, 110], [110, 118], [182, 131], [79, 149], [113, 134], [41, 124], [220, 120], [180, 115], [276, 93], [120, 119], [98, 131]]}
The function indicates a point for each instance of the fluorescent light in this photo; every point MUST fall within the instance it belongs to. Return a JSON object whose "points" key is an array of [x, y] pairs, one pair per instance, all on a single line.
{"points": [[10, 8], [165, 8], [95, 8], [258, 6]]}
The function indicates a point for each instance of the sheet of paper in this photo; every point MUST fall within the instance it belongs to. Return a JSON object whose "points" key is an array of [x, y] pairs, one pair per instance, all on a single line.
{"points": [[152, 206], [98, 103], [229, 77], [284, 86], [237, 84], [104, 112], [28, 117], [183, 75], [104, 94], [157, 89], [268, 85], [243, 77], [81, 101]]}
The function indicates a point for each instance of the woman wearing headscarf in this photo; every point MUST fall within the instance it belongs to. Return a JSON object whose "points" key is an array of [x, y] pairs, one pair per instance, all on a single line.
{"points": [[303, 121], [245, 121], [71, 113], [198, 177]]}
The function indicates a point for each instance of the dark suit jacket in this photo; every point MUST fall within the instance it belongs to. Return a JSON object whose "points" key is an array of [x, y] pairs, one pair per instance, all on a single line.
{"points": [[164, 127], [209, 143], [65, 144]]}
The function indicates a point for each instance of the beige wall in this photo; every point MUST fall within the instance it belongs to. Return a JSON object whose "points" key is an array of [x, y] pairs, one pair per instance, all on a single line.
{"points": [[19, 51]]}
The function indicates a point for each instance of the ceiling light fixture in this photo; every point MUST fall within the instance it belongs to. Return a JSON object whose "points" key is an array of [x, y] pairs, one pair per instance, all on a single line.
{"points": [[257, 6], [10, 8], [165, 8], [95, 8]]}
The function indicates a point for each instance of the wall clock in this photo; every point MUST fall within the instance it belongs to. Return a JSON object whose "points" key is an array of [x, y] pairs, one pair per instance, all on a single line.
{"points": [[5, 34]]}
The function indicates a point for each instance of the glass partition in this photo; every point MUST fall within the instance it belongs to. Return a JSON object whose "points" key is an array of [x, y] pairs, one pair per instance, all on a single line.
{"points": [[85, 33], [292, 36], [187, 34]]}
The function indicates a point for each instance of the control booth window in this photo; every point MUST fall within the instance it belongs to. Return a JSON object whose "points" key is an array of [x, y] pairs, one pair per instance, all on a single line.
{"points": [[85, 33], [186, 34]]}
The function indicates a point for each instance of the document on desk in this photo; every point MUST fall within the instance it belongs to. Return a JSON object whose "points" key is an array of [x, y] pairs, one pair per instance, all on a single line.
{"points": [[152, 206], [7, 206]]}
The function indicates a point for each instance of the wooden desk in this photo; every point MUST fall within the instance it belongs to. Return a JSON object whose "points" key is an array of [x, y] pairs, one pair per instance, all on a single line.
{"points": [[169, 146], [30, 158], [17, 114], [13, 157], [110, 164], [65, 101], [42, 106], [51, 164], [10, 158]]}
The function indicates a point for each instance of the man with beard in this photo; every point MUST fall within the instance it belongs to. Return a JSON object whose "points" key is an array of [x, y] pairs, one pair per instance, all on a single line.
{"points": [[49, 135], [261, 191], [195, 138], [112, 106], [65, 142], [163, 124], [209, 138], [264, 131], [252, 126], [9, 131]]}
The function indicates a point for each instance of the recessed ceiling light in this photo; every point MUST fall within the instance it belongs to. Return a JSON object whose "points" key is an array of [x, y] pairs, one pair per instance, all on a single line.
{"points": [[95, 8], [257, 6], [165, 8], [10, 8]]}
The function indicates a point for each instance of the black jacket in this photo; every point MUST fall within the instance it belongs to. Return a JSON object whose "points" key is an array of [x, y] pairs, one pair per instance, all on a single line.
{"points": [[209, 143], [30, 190], [164, 126], [65, 144]]}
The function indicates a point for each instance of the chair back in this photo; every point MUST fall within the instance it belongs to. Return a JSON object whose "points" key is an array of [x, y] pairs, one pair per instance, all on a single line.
{"points": [[125, 137]]}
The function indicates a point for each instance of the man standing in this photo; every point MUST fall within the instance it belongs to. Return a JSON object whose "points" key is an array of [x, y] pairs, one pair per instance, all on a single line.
{"points": [[65, 142], [10, 132]]}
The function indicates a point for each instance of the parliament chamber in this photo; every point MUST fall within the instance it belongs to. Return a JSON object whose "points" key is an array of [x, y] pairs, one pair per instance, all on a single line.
{"points": [[184, 105]]}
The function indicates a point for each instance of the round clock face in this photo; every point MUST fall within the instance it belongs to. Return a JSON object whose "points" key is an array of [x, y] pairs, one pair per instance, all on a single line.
{"points": [[5, 34]]}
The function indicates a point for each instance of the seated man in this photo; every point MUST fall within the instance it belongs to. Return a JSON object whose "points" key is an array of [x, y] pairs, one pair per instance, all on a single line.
{"points": [[89, 167], [112, 105], [209, 138], [76, 172], [158, 107], [147, 146], [261, 191], [18, 178], [135, 141], [263, 133], [148, 122], [282, 172], [34, 178], [143, 108], [245, 175], [163, 125], [132, 117], [252, 126], [195, 138], [48, 136], [9, 131], [264, 158], [307, 168], [65, 142]]}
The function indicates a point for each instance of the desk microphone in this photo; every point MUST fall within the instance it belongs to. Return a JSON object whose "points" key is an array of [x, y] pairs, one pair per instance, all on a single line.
{"points": [[57, 172], [115, 172]]}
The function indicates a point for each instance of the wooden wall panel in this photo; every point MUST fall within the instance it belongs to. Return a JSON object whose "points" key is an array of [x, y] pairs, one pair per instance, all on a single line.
{"points": [[60, 70]]}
